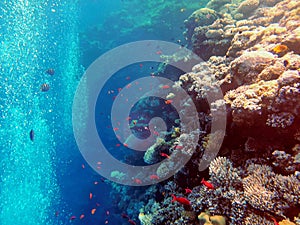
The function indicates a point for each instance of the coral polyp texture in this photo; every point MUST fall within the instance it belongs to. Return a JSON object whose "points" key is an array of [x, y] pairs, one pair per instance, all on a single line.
{"points": [[250, 49]]}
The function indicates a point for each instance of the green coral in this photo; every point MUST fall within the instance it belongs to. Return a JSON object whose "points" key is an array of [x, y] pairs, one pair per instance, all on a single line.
{"points": [[117, 174]]}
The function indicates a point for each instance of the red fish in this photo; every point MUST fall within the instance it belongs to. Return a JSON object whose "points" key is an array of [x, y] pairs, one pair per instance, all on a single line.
{"points": [[165, 155], [275, 221], [125, 145], [118, 145], [207, 184], [131, 222], [168, 101], [91, 195], [188, 191], [165, 87], [154, 177], [137, 181], [96, 182], [155, 133], [82, 166], [125, 216], [81, 216], [179, 147], [72, 217], [181, 200], [106, 222], [107, 213], [116, 128], [159, 52]]}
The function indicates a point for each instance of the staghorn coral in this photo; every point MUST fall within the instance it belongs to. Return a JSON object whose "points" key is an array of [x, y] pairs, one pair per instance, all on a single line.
{"points": [[254, 219], [223, 173], [267, 191]]}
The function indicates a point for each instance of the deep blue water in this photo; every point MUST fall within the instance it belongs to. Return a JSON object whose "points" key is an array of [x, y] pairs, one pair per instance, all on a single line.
{"points": [[46, 180]]}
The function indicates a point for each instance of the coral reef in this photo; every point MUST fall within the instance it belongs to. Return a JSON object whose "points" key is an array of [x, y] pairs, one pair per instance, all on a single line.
{"points": [[251, 50]]}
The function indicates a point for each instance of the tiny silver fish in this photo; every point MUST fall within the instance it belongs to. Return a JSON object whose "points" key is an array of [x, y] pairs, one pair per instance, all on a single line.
{"points": [[31, 135], [45, 87]]}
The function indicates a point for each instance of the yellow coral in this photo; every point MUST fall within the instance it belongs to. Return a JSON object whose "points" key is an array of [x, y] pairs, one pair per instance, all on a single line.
{"points": [[206, 219], [286, 222], [220, 220]]}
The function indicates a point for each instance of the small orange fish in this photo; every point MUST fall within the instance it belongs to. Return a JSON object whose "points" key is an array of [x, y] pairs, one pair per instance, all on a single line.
{"points": [[81, 216], [169, 101], [131, 222], [137, 181], [91, 195], [116, 128], [164, 155], [125, 216], [165, 87], [188, 191], [72, 217], [181, 200], [207, 184], [154, 177], [93, 211], [125, 145], [118, 145], [275, 221], [155, 133]]}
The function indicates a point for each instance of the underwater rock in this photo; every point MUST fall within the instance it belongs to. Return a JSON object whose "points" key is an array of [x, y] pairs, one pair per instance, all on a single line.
{"points": [[212, 40], [246, 68], [247, 7], [217, 4], [201, 17]]}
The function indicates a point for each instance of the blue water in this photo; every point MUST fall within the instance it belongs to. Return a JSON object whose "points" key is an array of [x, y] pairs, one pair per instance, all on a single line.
{"points": [[46, 180]]}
